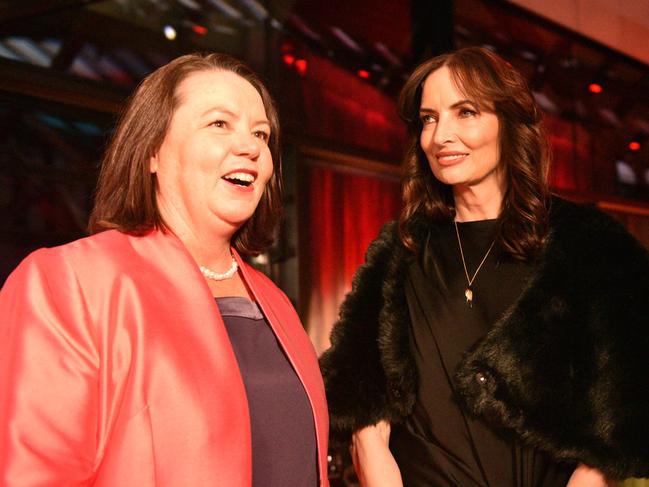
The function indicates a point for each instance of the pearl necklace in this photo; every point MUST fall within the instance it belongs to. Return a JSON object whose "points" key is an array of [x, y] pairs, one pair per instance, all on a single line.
{"points": [[220, 276]]}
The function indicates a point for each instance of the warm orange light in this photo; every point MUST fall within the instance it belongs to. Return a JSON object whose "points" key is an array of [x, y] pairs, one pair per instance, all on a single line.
{"points": [[634, 146], [300, 66], [363, 73], [199, 29], [288, 59], [595, 88]]}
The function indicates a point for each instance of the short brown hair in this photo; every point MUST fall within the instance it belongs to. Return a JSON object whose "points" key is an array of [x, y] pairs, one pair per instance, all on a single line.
{"points": [[493, 84], [125, 198]]}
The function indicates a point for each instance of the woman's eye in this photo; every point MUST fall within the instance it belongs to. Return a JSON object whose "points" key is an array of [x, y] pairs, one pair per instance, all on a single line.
{"points": [[219, 123], [426, 119], [467, 112], [260, 134]]}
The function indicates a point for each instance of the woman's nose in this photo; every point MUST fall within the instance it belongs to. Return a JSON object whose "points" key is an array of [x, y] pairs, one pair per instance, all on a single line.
{"points": [[246, 145], [444, 131]]}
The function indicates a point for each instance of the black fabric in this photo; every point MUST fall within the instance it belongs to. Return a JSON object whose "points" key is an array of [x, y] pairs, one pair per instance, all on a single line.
{"points": [[440, 444], [281, 422], [564, 368]]}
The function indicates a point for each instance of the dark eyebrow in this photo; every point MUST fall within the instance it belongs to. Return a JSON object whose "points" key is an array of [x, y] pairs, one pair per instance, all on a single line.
{"points": [[460, 103], [455, 105]]}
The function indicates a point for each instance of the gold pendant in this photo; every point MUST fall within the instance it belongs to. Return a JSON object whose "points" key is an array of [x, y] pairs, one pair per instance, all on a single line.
{"points": [[469, 296]]}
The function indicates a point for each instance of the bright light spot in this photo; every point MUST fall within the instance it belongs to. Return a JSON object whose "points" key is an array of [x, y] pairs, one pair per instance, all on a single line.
{"points": [[261, 259], [199, 29], [595, 88], [300, 66], [170, 32]]}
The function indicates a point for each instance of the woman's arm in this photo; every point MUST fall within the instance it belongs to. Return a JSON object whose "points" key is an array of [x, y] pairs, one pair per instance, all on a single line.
{"points": [[48, 379], [374, 464], [585, 476]]}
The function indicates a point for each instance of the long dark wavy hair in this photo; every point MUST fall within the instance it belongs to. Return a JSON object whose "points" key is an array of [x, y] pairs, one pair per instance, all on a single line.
{"points": [[125, 198], [487, 80]]}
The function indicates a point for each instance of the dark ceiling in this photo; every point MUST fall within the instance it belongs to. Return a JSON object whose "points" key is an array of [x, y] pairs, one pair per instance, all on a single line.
{"points": [[91, 53]]}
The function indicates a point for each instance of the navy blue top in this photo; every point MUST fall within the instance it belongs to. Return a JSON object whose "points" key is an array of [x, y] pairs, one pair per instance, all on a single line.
{"points": [[283, 432]]}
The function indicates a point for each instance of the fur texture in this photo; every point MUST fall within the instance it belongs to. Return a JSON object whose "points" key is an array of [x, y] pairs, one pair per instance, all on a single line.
{"points": [[565, 368], [368, 367]]}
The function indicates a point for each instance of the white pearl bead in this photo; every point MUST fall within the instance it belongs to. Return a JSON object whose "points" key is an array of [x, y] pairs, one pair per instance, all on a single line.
{"points": [[216, 276]]}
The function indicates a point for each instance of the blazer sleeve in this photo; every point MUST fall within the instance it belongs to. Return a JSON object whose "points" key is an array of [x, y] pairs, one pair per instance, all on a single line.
{"points": [[355, 381], [48, 377]]}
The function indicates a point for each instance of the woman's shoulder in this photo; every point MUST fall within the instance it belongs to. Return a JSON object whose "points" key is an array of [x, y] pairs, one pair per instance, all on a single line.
{"points": [[564, 212], [59, 276], [585, 232], [389, 233], [68, 252], [386, 241], [584, 222], [93, 257]]}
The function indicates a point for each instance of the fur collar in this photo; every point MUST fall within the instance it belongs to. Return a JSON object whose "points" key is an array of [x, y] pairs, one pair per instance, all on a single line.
{"points": [[565, 367]]}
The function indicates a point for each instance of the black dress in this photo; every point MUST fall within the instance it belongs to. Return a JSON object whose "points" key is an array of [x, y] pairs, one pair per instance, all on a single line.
{"points": [[439, 444]]}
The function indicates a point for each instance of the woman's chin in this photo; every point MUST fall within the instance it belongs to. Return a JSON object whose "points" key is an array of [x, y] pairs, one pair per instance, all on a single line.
{"points": [[234, 215], [237, 221]]}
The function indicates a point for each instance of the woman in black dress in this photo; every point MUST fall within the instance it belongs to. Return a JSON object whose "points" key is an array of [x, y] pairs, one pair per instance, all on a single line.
{"points": [[495, 335]]}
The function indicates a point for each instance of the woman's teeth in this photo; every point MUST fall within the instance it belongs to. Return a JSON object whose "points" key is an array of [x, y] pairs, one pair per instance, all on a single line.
{"points": [[450, 158], [240, 178]]}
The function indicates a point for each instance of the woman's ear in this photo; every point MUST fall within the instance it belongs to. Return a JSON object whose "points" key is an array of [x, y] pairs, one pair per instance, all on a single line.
{"points": [[153, 164]]}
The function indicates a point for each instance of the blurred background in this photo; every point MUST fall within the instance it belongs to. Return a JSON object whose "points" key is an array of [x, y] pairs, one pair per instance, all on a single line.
{"points": [[335, 67]]}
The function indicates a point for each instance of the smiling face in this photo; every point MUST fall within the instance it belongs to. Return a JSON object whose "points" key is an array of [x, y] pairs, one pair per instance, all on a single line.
{"points": [[214, 161], [460, 140]]}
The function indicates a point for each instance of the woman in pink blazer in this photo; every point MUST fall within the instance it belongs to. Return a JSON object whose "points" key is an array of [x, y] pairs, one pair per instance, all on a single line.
{"points": [[150, 354]]}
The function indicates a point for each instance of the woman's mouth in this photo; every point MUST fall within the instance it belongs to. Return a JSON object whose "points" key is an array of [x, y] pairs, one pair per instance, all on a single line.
{"points": [[240, 178], [447, 159]]}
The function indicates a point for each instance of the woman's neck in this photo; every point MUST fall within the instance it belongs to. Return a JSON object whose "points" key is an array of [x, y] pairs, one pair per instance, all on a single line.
{"points": [[477, 203], [207, 240], [209, 250]]}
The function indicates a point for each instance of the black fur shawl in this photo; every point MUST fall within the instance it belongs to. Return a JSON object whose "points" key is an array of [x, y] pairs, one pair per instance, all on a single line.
{"points": [[566, 368]]}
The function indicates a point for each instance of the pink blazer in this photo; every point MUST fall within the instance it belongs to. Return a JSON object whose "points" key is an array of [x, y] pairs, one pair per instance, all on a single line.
{"points": [[116, 369]]}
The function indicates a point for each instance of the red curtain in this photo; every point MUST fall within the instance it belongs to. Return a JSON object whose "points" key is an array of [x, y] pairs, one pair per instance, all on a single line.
{"points": [[330, 103], [341, 213]]}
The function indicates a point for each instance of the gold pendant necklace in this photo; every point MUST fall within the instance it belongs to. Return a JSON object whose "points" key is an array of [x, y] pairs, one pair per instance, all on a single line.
{"points": [[468, 292]]}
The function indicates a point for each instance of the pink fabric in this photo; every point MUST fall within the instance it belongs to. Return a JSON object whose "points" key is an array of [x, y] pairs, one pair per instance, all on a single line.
{"points": [[116, 369]]}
